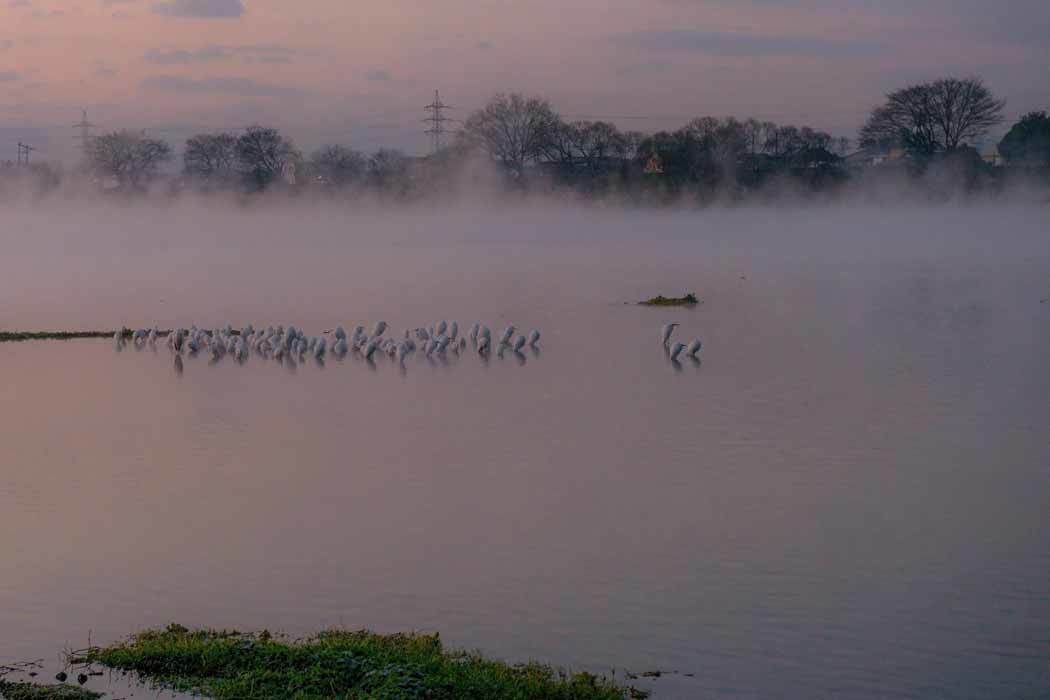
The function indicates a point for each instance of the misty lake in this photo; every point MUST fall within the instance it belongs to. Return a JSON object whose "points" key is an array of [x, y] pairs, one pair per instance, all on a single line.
{"points": [[848, 496]]}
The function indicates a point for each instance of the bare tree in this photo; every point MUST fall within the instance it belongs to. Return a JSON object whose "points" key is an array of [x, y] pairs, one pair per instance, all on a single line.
{"points": [[262, 154], [211, 157], [129, 157], [932, 117], [338, 165], [513, 129]]}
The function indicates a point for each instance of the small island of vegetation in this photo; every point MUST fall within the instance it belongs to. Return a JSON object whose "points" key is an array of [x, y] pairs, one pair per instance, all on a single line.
{"points": [[660, 300], [337, 664]]}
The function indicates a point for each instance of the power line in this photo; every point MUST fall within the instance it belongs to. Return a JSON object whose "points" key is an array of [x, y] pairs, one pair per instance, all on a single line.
{"points": [[23, 153], [85, 133], [437, 121]]}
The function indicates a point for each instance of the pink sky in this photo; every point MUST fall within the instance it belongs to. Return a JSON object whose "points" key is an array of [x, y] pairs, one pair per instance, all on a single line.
{"points": [[359, 71]]}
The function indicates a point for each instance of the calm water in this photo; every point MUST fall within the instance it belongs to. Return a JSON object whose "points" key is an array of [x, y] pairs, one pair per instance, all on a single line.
{"points": [[849, 497]]}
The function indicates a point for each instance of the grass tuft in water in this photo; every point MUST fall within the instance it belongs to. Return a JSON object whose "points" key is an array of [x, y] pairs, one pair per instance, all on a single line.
{"points": [[31, 691], [660, 300], [338, 664]]}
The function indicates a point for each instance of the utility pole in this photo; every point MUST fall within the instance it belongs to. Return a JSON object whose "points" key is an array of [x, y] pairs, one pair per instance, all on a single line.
{"points": [[437, 121], [85, 134], [23, 153]]}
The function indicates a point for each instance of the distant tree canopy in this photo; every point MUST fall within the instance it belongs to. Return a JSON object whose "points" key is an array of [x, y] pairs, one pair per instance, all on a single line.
{"points": [[211, 157], [1028, 141], [131, 158], [514, 130], [262, 154], [338, 165], [933, 117]]}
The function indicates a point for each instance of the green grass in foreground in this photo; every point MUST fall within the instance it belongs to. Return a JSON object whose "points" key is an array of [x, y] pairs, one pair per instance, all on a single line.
{"points": [[338, 664], [688, 300], [31, 691]]}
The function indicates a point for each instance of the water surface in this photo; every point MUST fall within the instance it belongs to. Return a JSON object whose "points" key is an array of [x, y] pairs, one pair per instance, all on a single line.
{"points": [[849, 496]]}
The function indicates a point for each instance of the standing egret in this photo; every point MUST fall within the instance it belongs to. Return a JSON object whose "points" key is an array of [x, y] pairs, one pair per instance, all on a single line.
{"points": [[694, 347], [484, 344], [534, 338], [507, 333], [676, 351], [340, 333], [474, 332], [370, 349], [666, 331], [378, 330], [453, 331], [519, 343], [441, 327]]}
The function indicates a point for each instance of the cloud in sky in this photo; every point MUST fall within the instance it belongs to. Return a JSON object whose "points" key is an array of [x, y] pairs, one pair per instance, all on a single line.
{"points": [[742, 44], [229, 85], [212, 9], [183, 56]]}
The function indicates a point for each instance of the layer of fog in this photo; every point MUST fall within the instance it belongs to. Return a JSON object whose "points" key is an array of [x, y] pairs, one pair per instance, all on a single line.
{"points": [[76, 265]]}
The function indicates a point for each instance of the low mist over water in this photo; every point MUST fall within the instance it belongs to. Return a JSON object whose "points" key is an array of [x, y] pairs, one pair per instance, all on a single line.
{"points": [[846, 496]]}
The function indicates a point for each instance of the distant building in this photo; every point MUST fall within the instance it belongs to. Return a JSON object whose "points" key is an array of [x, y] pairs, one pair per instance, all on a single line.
{"points": [[991, 156], [875, 157]]}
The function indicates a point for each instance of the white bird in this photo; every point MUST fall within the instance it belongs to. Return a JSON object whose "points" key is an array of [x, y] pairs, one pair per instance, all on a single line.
{"points": [[484, 344], [402, 350], [370, 349], [453, 331], [340, 347], [340, 333], [519, 343], [507, 333], [485, 333], [534, 338], [474, 330], [320, 348], [666, 331], [378, 331], [676, 351], [694, 347]]}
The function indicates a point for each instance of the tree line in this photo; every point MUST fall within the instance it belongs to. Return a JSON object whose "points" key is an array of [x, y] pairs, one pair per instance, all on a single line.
{"points": [[922, 126]]}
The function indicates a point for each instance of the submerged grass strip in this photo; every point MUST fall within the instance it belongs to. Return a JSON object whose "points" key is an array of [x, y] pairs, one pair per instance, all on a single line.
{"points": [[17, 336], [660, 300], [31, 691], [338, 664]]}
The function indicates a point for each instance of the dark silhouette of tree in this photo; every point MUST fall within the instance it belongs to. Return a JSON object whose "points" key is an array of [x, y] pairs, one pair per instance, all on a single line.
{"points": [[933, 117], [513, 130], [131, 158], [338, 165], [388, 169], [1028, 141], [262, 154], [211, 157]]}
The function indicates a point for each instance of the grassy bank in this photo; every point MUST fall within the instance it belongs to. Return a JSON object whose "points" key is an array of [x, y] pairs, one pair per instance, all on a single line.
{"points": [[337, 664]]}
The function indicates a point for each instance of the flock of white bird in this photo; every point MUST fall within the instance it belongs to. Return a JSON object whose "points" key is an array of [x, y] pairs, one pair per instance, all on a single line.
{"points": [[292, 343], [675, 350]]}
